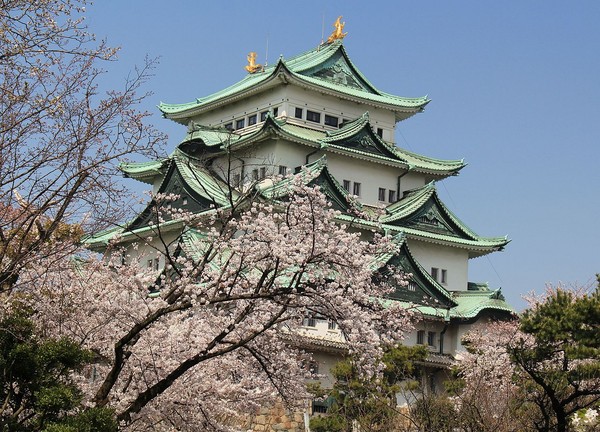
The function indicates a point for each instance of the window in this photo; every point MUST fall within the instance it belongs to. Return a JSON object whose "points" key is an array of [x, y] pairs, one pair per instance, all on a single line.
{"points": [[392, 196], [263, 172], [313, 116], [255, 174], [153, 264], [310, 322], [282, 170], [381, 194], [421, 337], [237, 179], [412, 286], [434, 273], [298, 113], [380, 132], [347, 185], [320, 406], [184, 200], [252, 120], [444, 276], [275, 111], [239, 124], [331, 325], [431, 338], [356, 188], [263, 115], [229, 126], [331, 120]]}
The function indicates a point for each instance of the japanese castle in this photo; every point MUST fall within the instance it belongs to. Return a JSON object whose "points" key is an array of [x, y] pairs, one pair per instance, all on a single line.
{"points": [[316, 111]]}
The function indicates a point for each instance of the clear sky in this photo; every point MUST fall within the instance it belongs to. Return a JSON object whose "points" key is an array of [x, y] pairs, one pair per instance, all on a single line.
{"points": [[515, 89]]}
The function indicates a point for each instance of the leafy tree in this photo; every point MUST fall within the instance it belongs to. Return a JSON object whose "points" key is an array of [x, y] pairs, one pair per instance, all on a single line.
{"points": [[370, 402], [542, 370], [36, 385], [560, 354]]}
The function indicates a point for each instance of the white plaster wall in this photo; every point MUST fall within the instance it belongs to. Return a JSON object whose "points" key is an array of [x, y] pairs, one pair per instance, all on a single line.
{"points": [[287, 98], [482, 321], [242, 109], [412, 180], [142, 250], [454, 260], [371, 176], [269, 154], [427, 326], [343, 109], [326, 361]]}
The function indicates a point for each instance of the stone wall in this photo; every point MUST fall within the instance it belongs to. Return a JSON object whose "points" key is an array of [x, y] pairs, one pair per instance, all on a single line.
{"points": [[276, 419]]}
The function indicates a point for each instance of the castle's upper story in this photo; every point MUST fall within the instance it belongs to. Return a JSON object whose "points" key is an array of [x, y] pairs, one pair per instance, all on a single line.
{"points": [[321, 89]]}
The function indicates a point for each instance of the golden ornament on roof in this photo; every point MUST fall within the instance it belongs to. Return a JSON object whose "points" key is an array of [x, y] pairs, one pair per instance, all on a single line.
{"points": [[252, 65], [338, 33]]}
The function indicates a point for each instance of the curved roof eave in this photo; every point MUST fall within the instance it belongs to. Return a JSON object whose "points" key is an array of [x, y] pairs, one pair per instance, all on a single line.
{"points": [[411, 204], [402, 109], [476, 248], [143, 171], [281, 74], [251, 84]]}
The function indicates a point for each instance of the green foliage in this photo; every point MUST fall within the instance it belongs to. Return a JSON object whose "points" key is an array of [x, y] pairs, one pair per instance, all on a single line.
{"points": [[562, 365], [370, 402], [331, 423], [35, 384]]}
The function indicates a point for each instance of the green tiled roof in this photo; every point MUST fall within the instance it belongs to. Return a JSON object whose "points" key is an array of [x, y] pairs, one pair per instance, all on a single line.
{"points": [[468, 305], [341, 141], [472, 303], [201, 180], [210, 137], [423, 203], [314, 173], [403, 259], [143, 171], [304, 70]]}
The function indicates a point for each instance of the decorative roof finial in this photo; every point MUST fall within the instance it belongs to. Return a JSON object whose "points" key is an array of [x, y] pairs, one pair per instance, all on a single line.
{"points": [[338, 33], [252, 66]]}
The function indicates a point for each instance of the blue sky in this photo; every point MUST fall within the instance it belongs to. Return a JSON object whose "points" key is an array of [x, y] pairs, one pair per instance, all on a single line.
{"points": [[515, 89]]}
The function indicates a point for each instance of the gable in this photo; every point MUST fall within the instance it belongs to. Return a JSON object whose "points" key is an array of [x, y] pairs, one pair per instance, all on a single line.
{"points": [[336, 69], [188, 199], [332, 191], [432, 218], [365, 141], [421, 288]]}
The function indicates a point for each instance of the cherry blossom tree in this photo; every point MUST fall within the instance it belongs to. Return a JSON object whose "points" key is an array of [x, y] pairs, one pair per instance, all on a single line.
{"points": [[543, 369], [219, 332], [486, 392], [60, 139]]}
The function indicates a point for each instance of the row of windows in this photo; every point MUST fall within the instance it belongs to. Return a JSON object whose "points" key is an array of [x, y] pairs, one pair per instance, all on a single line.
{"points": [[430, 338], [440, 275], [250, 120], [315, 117], [391, 195], [311, 321], [328, 120], [355, 187], [382, 195], [261, 173]]}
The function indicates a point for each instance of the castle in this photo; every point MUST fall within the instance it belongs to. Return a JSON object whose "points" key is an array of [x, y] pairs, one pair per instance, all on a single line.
{"points": [[316, 111]]}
